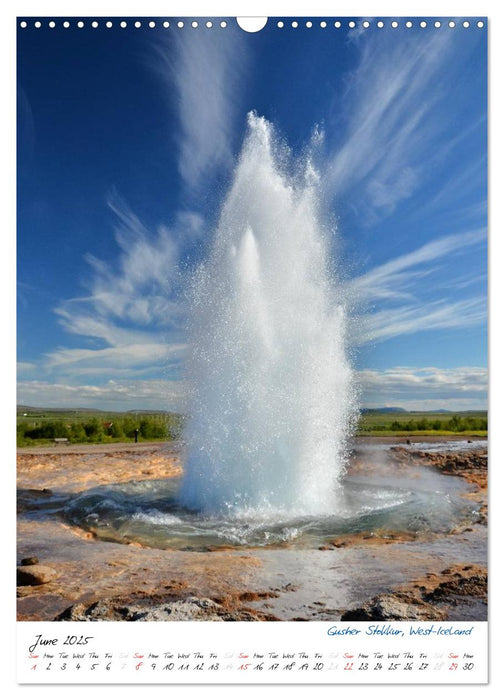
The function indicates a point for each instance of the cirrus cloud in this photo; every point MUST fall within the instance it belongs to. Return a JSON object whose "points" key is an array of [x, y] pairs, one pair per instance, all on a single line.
{"points": [[417, 388]]}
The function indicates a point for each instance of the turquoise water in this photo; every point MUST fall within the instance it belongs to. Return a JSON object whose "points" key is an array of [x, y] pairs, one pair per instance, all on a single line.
{"points": [[150, 513]]}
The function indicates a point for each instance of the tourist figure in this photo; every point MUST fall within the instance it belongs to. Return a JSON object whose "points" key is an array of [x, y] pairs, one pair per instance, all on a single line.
{"points": [[136, 434]]}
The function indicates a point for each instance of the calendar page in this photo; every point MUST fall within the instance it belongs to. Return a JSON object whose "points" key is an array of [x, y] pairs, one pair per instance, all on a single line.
{"points": [[252, 370]]}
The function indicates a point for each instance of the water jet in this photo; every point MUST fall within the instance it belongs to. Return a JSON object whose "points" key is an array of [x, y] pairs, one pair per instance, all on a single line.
{"points": [[271, 390]]}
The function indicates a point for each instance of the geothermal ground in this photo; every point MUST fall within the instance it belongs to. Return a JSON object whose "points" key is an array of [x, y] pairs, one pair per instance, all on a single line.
{"points": [[66, 572]]}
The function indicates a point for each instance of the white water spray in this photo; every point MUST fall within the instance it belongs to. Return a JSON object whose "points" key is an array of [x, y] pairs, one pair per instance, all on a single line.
{"points": [[271, 392]]}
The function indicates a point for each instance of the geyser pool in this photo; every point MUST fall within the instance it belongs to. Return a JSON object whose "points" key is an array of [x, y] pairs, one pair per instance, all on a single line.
{"points": [[271, 391], [379, 499]]}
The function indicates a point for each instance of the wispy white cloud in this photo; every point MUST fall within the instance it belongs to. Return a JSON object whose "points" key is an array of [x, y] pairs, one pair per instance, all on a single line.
{"points": [[397, 277], [114, 358], [424, 388], [132, 315], [208, 76], [391, 134], [465, 281], [414, 388], [406, 320], [114, 395], [396, 299], [458, 188], [25, 368], [139, 291], [76, 316]]}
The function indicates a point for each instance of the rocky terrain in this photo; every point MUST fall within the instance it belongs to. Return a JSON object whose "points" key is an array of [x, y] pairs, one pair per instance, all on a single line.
{"points": [[431, 598], [65, 573]]}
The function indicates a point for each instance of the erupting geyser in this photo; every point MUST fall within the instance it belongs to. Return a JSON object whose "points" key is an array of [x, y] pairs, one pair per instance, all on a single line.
{"points": [[271, 393]]}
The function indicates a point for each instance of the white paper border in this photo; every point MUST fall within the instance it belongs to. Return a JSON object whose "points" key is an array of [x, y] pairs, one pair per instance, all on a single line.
{"points": [[10, 10]]}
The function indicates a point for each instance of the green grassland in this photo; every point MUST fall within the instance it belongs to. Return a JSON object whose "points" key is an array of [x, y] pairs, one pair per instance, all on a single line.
{"points": [[423, 423], [43, 426]]}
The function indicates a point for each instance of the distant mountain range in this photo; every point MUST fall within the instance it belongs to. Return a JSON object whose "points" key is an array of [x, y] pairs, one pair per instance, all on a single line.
{"points": [[385, 409], [38, 409], [398, 409]]}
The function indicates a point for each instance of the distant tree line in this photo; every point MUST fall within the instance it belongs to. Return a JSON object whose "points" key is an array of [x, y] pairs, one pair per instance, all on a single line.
{"points": [[93, 429], [454, 424]]}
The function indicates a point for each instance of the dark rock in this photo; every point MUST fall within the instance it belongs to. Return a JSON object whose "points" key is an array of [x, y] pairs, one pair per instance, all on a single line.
{"points": [[468, 586], [393, 607], [29, 561], [190, 608], [35, 575]]}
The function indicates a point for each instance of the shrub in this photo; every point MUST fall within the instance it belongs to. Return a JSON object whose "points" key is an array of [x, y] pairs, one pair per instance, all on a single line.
{"points": [[93, 429]]}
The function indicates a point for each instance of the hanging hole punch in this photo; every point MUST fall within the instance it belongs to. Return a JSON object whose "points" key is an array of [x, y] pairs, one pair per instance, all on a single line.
{"points": [[252, 24]]}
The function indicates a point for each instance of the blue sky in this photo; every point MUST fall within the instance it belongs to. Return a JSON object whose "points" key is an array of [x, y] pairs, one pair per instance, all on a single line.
{"points": [[127, 140]]}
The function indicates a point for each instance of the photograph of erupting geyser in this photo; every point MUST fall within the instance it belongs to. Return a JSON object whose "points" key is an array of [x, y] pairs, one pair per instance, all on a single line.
{"points": [[252, 377]]}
